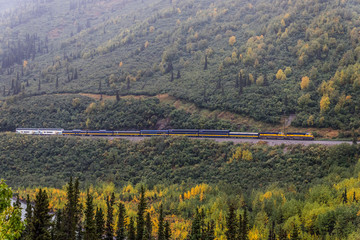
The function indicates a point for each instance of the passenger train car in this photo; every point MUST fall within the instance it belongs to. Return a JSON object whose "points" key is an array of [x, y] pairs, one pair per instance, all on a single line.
{"points": [[171, 132]]}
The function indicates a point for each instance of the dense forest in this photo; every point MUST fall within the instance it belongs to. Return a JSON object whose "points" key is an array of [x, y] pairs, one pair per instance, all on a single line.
{"points": [[262, 59], [242, 65], [325, 208]]}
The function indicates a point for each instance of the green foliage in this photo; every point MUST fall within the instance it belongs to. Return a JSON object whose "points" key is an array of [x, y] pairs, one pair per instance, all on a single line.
{"points": [[11, 225], [168, 160], [79, 112], [110, 54]]}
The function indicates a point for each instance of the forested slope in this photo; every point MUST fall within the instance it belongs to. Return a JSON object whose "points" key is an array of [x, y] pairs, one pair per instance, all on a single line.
{"points": [[258, 58]]}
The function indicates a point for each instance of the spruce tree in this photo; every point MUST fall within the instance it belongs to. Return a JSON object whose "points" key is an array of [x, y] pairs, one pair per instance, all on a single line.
{"points": [[172, 76], [131, 230], [40, 221], [28, 218], [178, 76], [117, 96], [140, 223], [167, 231], [121, 225], [58, 233], [272, 235], [90, 228], [161, 230], [148, 227], [109, 229], [245, 226], [57, 82], [39, 85], [100, 223], [72, 210], [206, 62], [231, 224], [196, 227]]}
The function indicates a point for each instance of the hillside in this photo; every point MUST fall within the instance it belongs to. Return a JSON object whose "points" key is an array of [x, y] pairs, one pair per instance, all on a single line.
{"points": [[261, 59]]}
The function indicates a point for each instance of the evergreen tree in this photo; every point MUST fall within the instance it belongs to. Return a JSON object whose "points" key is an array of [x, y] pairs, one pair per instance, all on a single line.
{"points": [[172, 76], [109, 229], [90, 228], [148, 227], [76, 74], [196, 227], [100, 85], [231, 224], [121, 226], [40, 221], [72, 210], [4, 91], [354, 198], [344, 196], [57, 82], [39, 85], [167, 231], [58, 233], [140, 215], [117, 96], [206, 62], [161, 230], [79, 232], [100, 223], [28, 218], [272, 235], [178, 76], [240, 228], [245, 226], [131, 230], [241, 83]]}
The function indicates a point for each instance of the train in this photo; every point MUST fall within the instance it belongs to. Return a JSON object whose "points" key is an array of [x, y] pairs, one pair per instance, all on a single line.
{"points": [[170, 132]]}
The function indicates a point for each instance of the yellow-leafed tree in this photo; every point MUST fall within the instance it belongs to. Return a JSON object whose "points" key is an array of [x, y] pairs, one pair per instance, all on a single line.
{"points": [[232, 40], [324, 103], [305, 81]]}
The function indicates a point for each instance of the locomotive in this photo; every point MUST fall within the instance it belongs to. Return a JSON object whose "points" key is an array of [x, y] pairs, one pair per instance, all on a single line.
{"points": [[170, 132]]}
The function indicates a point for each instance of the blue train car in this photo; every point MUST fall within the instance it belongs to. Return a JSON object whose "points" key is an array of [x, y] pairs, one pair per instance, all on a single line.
{"points": [[243, 135], [100, 133], [126, 133], [214, 133], [154, 132], [184, 132]]}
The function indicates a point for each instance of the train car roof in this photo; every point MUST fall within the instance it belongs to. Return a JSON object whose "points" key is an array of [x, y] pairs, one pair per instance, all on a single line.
{"points": [[252, 133], [42, 129]]}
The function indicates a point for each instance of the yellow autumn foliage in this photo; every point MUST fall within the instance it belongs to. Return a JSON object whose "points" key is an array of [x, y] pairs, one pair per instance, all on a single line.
{"points": [[232, 40], [305, 81]]}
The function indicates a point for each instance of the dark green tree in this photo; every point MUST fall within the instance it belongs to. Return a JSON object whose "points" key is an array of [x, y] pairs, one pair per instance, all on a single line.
{"points": [[167, 231], [206, 62], [196, 231], [231, 224], [89, 225], [272, 235], [72, 210], [245, 225], [41, 219], [109, 229], [161, 230], [131, 230], [57, 82], [148, 227], [121, 226], [140, 223], [58, 233], [28, 218], [100, 223], [178, 76]]}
